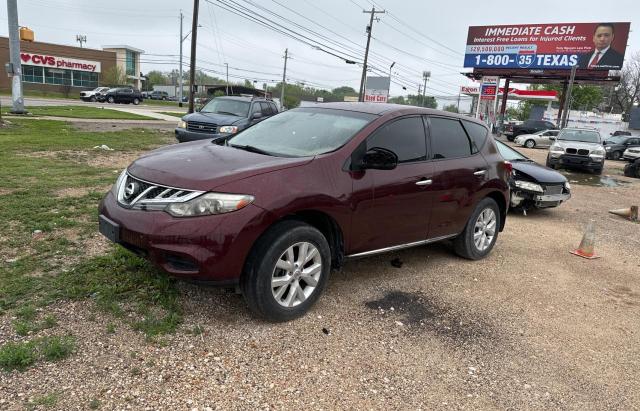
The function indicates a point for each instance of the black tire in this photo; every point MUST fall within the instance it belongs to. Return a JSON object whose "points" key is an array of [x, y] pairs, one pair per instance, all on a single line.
{"points": [[552, 166], [511, 138], [597, 171], [255, 282], [616, 155], [92, 99], [464, 244], [136, 101], [111, 100], [530, 144]]}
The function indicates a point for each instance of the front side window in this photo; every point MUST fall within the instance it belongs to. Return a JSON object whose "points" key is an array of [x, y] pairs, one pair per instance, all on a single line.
{"points": [[405, 137], [303, 131], [448, 138], [227, 106], [266, 110]]}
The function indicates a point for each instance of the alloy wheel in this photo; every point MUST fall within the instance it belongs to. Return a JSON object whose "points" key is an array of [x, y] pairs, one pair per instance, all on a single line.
{"points": [[530, 144], [485, 229], [296, 274]]}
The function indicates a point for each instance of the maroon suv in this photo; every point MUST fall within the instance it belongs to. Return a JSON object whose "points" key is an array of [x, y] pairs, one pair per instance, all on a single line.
{"points": [[274, 208]]}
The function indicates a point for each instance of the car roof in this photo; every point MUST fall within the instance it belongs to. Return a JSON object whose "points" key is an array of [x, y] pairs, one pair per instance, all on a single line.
{"points": [[385, 108], [242, 98]]}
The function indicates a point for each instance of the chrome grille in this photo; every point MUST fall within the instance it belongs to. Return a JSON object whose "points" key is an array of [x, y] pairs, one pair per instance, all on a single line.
{"points": [[200, 127], [136, 193], [554, 189]]}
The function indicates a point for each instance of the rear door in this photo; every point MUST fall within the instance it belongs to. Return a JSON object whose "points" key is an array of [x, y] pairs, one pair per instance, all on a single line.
{"points": [[391, 207], [459, 171]]}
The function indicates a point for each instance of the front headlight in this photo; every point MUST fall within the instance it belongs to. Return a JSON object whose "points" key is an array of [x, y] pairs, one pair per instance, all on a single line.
{"points": [[119, 182], [556, 149], [567, 186], [608, 148], [598, 152], [228, 129], [210, 203], [529, 186], [182, 124]]}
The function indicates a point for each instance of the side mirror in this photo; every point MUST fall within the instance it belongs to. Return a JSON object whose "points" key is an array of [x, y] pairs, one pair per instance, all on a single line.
{"points": [[552, 138], [379, 159], [256, 115]]}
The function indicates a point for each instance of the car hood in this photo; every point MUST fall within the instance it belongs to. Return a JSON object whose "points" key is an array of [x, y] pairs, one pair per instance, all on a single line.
{"points": [[578, 145], [201, 165], [213, 118], [538, 173]]}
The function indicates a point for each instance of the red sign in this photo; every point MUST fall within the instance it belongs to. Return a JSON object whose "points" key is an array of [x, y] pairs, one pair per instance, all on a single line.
{"points": [[595, 46], [59, 62]]}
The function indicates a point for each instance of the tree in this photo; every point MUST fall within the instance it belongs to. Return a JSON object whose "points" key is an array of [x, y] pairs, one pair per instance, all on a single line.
{"points": [[583, 96], [452, 108], [416, 100], [628, 91], [155, 77], [113, 77]]}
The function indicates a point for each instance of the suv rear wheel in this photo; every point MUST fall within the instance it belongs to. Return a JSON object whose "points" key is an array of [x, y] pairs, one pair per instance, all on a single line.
{"points": [[481, 232], [136, 101], [110, 99], [287, 271]]}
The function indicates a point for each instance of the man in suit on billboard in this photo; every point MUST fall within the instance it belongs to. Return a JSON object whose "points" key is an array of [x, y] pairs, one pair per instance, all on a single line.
{"points": [[603, 57]]}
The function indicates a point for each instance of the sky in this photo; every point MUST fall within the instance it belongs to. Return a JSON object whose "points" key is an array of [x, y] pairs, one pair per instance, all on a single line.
{"points": [[417, 35]]}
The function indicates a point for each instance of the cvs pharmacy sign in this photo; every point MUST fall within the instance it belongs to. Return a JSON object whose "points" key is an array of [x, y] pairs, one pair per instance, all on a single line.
{"points": [[44, 60]]}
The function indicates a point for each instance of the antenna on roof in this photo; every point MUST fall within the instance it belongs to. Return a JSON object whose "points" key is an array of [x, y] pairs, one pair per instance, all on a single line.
{"points": [[81, 38]]}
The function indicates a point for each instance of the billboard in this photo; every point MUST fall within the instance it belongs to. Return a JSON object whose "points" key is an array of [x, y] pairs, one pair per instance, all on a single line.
{"points": [[377, 89], [43, 60], [589, 46]]}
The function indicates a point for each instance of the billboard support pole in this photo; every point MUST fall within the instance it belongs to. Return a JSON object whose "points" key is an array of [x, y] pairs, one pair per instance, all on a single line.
{"points": [[567, 102], [563, 96], [503, 106]]}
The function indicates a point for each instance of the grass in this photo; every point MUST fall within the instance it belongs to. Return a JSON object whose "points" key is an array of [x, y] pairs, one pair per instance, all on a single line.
{"points": [[94, 404], [47, 401], [38, 159], [84, 112], [20, 355], [44, 94], [173, 113]]}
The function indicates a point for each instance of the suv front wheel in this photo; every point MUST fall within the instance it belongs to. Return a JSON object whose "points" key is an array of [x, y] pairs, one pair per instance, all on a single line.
{"points": [[287, 271], [481, 232]]}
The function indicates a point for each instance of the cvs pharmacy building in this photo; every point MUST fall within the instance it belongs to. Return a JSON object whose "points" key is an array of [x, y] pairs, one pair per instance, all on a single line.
{"points": [[67, 69]]}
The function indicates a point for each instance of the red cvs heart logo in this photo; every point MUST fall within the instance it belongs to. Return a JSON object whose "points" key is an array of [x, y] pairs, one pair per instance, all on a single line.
{"points": [[25, 57]]}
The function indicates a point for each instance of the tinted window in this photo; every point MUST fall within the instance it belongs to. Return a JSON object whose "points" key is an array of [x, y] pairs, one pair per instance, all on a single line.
{"points": [[405, 137], [448, 138], [274, 108], [553, 133], [266, 109], [634, 141], [477, 133], [549, 125]]}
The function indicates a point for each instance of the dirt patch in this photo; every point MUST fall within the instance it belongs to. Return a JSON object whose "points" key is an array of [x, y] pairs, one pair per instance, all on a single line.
{"points": [[6, 191], [76, 192], [421, 313]]}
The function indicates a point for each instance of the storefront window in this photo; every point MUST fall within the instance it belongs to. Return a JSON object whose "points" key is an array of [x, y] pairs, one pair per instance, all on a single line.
{"points": [[32, 74], [131, 63], [57, 76], [85, 79]]}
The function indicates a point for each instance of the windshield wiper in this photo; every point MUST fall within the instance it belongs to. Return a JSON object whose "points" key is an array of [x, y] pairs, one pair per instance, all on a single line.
{"points": [[251, 149], [226, 112]]}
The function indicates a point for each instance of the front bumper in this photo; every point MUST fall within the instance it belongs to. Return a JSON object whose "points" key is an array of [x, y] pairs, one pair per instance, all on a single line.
{"points": [[183, 135], [209, 248], [631, 157], [570, 160], [525, 198]]}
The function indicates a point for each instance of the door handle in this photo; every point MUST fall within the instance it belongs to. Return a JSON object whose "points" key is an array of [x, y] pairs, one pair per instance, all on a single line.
{"points": [[480, 173], [424, 182]]}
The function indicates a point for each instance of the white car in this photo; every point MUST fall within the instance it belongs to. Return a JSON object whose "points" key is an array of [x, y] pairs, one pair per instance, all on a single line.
{"points": [[92, 95], [543, 138], [631, 154]]}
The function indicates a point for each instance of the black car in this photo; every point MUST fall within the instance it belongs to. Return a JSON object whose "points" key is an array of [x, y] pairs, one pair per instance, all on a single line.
{"points": [[223, 117], [534, 185], [123, 95], [528, 127], [617, 144]]}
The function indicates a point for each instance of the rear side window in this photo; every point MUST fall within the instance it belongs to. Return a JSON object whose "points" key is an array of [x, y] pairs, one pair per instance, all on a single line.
{"points": [[448, 138], [266, 109], [405, 137], [477, 133]]}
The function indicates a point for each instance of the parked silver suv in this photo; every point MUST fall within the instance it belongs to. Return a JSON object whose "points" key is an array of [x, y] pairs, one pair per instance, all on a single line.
{"points": [[577, 148]]}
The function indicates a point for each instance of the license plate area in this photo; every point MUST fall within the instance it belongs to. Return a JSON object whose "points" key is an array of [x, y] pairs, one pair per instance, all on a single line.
{"points": [[109, 229]]}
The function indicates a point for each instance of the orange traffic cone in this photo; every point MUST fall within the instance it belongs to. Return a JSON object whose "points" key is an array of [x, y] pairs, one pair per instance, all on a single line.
{"points": [[630, 213], [586, 247]]}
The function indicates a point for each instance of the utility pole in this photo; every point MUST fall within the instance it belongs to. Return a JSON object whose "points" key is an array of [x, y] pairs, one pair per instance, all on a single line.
{"points": [[425, 77], [366, 52], [389, 90], [227, 88], [194, 35], [180, 81], [14, 58], [284, 78]]}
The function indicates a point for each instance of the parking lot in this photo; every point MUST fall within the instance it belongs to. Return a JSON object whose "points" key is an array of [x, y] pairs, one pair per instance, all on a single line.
{"points": [[531, 326]]}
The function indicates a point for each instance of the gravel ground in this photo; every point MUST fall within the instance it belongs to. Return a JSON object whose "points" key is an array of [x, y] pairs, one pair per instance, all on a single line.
{"points": [[531, 327]]}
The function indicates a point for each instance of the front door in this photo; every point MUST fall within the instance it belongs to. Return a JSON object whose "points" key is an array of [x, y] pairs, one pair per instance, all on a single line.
{"points": [[459, 172], [391, 207]]}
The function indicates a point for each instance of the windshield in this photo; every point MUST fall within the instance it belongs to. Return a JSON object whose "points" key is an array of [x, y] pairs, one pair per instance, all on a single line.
{"points": [[587, 136], [303, 132], [227, 106], [617, 139], [510, 154]]}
